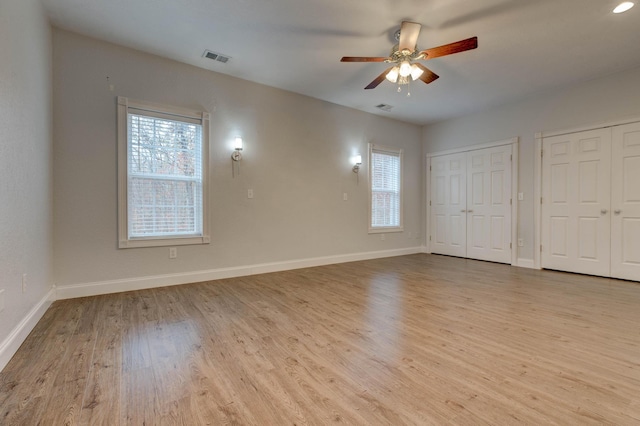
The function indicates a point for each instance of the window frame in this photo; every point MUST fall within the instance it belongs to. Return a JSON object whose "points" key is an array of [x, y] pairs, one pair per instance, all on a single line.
{"points": [[158, 111], [373, 148]]}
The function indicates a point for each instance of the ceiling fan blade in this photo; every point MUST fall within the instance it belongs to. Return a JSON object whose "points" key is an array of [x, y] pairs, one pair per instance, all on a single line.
{"points": [[451, 48], [427, 75], [379, 79], [362, 59], [409, 32]]}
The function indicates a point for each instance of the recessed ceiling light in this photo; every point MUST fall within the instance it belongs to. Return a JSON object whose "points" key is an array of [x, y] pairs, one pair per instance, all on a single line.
{"points": [[623, 7]]}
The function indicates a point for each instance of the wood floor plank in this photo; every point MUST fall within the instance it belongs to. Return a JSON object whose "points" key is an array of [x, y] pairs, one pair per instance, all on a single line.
{"points": [[101, 401], [37, 368], [418, 339]]}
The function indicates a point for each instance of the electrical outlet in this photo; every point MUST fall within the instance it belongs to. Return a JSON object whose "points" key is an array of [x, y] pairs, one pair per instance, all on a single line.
{"points": [[520, 196], [345, 196], [24, 283], [1, 300], [382, 237], [520, 242], [173, 252], [249, 193]]}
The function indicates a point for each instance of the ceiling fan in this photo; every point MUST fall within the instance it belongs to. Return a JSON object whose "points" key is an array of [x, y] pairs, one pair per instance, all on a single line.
{"points": [[405, 54]]}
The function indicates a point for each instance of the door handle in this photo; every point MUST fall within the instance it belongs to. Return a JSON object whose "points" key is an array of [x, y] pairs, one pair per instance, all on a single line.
{"points": [[469, 211], [463, 211], [603, 211], [617, 212]]}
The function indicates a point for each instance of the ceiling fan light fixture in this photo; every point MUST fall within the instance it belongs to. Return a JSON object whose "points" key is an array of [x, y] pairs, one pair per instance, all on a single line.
{"points": [[623, 7], [402, 69], [416, 72], [405, 69], [392, 75]]}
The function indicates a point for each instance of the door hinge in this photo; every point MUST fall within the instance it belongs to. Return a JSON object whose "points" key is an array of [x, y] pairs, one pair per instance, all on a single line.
{"points": [[510, 245], [429, 168], [540, 248], [429, 202], [429, 237], [511, 157], [510, 201], [542, 153], [540, 200]]}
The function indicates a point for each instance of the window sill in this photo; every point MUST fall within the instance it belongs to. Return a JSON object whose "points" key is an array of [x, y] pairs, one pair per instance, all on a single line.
{"points": [[163, 242], [385, 230]]}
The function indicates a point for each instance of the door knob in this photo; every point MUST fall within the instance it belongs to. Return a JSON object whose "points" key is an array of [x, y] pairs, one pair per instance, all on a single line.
{"points": [[603, 211], [617, 212]]}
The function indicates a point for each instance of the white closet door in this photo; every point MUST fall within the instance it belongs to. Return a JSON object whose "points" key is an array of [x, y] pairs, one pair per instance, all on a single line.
{"points": [[448, 205], [576, 184], [625, 203], [489, 204]]}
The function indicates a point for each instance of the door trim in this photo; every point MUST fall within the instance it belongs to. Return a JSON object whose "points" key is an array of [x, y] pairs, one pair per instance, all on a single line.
{"points": [[514, 142]]}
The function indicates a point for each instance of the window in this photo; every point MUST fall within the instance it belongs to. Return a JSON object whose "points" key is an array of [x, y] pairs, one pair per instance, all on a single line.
{"points": [[385, 180], [162, 175]]}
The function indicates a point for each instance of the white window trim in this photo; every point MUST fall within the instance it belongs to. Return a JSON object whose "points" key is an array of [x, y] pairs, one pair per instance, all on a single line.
{"points": [[399, 153], [200, 117]]}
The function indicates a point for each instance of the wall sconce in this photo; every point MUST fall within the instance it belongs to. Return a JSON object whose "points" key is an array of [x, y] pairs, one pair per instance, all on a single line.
{"points": [[236, 156], [237, 146], [357, 161]]}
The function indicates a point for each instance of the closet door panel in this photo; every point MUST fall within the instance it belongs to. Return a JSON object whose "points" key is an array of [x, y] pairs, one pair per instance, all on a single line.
{"points": [[576, 227], [448, 205], [625, 190], [489, 204], [558, 246]]}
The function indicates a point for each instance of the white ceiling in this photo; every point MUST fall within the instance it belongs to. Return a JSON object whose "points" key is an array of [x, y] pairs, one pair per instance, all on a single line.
{"points": [[525, 46]]}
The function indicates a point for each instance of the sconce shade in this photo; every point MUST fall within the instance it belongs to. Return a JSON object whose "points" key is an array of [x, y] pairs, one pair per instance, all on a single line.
{"points": [[416, 72], [392, 75], [357, 159], [237, 144], [405, 69]]}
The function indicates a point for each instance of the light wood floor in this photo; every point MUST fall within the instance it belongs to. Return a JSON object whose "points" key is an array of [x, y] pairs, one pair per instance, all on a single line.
{"points": [[409, 340]]}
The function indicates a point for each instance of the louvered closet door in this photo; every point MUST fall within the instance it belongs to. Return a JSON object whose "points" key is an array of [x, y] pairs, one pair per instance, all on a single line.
{"points": [[576, 184], [489, 204], [448, 205], [625, 191]]}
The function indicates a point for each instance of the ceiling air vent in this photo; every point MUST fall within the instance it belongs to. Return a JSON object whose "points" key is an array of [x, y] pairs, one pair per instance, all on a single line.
{"points": [[384, 107], [216, 56]]}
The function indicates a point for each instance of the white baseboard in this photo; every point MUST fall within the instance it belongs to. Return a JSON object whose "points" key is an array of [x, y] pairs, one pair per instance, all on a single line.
{"points": [[140, 283], [526, 263], [10, 345]]}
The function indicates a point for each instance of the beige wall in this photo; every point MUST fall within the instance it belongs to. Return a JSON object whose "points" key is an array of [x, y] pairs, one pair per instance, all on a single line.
{"points": [[605, 99], [26, 230], [296, 160]]}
